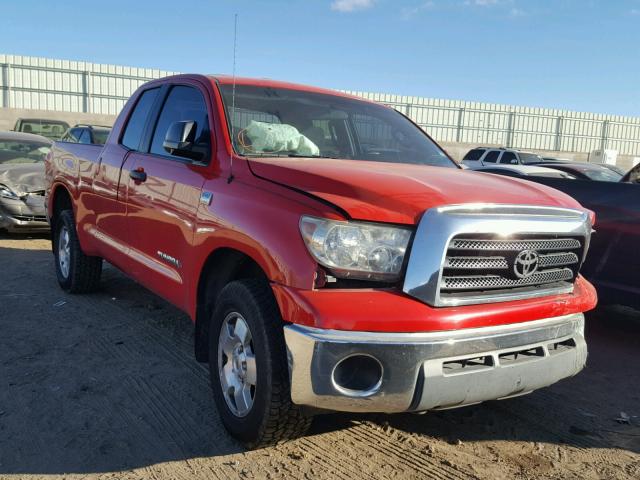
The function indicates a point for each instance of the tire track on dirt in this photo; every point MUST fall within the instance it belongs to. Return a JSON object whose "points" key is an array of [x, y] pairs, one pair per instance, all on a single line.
{"points": [[545, 419], [323, 454], [421, 463]]}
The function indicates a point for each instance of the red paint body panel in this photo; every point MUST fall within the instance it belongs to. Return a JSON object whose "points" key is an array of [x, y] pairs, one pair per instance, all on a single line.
{"points": [[258, 213], [400, 193], [392, 311]]}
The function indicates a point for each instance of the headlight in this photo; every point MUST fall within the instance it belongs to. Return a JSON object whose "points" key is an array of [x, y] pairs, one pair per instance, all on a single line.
{"points": [[6, 192], [356, 249]]}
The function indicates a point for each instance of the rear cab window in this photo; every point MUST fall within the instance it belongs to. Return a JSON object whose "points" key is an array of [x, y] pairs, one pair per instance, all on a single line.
{"points": [[138, 119]]}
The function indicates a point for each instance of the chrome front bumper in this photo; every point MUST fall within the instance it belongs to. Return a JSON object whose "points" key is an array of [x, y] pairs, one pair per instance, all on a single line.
{"points": [[437, 370]]}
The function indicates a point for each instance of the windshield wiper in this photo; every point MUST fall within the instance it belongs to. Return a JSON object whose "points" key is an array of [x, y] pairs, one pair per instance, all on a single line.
{"points": [[285, 155], [297, 155]]}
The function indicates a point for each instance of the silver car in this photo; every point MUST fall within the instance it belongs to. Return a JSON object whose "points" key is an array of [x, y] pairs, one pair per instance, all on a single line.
{"points": [[22, 182]]}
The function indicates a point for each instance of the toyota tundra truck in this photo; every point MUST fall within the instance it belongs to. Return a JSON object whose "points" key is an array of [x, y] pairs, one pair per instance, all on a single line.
{"points": [[330, 254]]}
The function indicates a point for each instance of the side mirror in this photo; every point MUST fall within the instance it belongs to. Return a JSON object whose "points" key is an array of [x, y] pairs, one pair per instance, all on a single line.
{"points": [[180, 139]]}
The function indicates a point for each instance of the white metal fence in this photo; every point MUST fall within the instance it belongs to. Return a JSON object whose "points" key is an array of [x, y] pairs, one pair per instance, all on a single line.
{"points": [[518, 127], [71, 86]]}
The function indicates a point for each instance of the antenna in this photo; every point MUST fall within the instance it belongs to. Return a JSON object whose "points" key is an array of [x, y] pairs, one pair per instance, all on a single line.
{"points": [[233, 96]]}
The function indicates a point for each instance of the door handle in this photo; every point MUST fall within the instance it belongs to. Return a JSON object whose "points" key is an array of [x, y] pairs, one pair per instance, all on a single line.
{"points": [[138, 175]]}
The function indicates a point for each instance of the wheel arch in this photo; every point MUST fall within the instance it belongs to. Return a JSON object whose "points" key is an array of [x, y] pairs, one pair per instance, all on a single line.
{"points": [[60, 200], [223, 265]]}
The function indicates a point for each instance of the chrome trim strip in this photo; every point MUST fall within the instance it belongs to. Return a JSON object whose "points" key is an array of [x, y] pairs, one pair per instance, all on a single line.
{"points": [[439, 225], [439, 336]]}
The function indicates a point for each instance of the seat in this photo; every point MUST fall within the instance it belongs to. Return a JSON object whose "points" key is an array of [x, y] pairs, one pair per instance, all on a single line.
{"points": [[316, 135]]}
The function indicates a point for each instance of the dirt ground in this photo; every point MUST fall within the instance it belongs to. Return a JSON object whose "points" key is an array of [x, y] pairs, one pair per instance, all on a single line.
{"points": [[105, 386]]}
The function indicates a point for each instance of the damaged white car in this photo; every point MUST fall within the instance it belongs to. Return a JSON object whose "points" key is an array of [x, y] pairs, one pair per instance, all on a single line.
{"points": [[22, 182]]}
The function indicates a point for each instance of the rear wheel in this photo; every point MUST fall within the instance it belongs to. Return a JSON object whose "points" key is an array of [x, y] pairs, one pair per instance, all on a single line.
{"points": [[76, 272], [248, 367]]}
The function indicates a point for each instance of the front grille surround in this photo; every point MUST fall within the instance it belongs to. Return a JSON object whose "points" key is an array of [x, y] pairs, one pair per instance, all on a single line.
{"points": [[488, 263], [464, 254]]}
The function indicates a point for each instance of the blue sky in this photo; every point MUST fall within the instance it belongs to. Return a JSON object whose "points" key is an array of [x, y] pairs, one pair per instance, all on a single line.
{"points": [[573, 54]]}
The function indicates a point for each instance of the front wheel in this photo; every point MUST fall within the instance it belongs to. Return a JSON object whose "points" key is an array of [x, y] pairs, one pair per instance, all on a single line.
{"points": [[248, 367], [76, 272]]}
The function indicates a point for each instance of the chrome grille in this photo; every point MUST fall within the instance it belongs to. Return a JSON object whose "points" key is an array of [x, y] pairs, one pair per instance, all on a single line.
{"points": [[475, 262], [483, 265], [496, 281], [555, 259], [553, 244]]}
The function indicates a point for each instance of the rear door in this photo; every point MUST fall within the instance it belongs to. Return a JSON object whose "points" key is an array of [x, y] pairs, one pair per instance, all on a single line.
{"points": [[509, 158], [491, 157], [161, 208], [109, 190]]}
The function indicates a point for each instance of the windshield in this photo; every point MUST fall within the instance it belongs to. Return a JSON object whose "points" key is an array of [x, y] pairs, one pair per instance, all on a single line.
{"points": [[554, 175], [527, 158], [47, 128], [282, 122], [21, 151], [602, 174], [615, 169]]}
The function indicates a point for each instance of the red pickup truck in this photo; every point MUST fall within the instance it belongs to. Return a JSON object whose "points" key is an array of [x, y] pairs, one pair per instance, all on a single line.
{"points": [[331, 255]]}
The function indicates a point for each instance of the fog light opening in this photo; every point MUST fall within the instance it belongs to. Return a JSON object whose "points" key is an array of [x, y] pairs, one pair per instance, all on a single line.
{"points": [[357, 375]]}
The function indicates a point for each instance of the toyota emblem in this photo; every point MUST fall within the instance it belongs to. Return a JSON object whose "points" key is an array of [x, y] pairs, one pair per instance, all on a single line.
{"points": [[526, 264]]}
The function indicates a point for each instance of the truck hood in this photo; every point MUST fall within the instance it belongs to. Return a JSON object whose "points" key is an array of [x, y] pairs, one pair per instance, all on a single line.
{"points": [[23, 178], [400, 193]]}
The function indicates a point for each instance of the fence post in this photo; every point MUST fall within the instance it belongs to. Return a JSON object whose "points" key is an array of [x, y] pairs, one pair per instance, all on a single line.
{"points": [[509, 139], [6, 91], [86, 87], [605, 132], [460, 125], [558, 143]]}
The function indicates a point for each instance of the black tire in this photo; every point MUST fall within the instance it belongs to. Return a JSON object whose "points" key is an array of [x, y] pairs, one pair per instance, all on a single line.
{"points": [[272, 418], [82, 273]]}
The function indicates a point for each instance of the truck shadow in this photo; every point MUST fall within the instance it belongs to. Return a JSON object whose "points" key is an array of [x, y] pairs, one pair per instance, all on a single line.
{"points": [[107, 382]]}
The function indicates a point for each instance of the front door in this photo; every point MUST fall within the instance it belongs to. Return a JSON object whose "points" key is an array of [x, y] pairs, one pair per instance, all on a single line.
{"points": [[163, 196]]}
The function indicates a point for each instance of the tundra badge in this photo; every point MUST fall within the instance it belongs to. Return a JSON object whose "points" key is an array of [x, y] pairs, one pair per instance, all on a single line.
{"points": [[169, 259]]}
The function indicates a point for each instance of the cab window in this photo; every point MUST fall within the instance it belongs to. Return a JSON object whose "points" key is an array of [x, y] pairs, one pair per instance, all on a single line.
{"points": [[492, 156], [183, 104], [138, 119], [509, 157], [474, 154]]}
